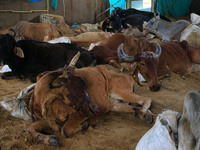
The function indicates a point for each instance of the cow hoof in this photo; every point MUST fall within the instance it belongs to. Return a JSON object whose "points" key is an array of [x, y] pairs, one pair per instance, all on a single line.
{"points": [[85, 125], [53, 141], [94, 126], [148, 116]]}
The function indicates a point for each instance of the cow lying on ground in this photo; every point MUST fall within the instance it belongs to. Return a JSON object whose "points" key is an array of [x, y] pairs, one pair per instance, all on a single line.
{"points": [[107, 54], [166, 30], [177, 57], [64, 100], [85, 39], [126, 12], [36, 31], [27, 58], [120, 18], [135, 21], [188, 128]]}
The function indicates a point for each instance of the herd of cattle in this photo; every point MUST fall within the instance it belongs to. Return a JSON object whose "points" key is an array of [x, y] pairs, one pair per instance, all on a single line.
{"points": [[73, 85]]}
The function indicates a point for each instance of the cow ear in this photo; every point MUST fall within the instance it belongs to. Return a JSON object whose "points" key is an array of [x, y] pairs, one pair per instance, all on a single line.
{"points": [[18, 51]]}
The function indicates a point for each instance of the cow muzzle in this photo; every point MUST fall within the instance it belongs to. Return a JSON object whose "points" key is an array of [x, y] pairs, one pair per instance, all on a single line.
{"points": [[155, 87]]}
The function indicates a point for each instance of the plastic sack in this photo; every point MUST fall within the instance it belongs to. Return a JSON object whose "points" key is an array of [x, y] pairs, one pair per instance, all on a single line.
{"points": [[191, 34], [19, 106], [161, 135]]}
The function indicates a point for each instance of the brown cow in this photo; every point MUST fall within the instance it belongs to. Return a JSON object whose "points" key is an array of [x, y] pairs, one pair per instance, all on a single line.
{"points": [[177, 57], [36, 31], [189, 124], [107, 54], [64, 100]]}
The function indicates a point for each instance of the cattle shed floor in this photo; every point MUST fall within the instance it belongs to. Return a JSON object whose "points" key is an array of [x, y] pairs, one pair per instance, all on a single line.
{"points": [[117, 131]]}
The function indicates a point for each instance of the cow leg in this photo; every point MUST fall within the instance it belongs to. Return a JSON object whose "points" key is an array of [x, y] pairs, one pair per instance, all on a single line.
{"points": [[35, 130], [8, 75], [114, 63], [121, 107], [131, 97], [75, 123]]}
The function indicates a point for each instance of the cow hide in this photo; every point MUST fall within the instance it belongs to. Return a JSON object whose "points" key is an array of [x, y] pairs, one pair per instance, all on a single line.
{"points": [[161, 135]]}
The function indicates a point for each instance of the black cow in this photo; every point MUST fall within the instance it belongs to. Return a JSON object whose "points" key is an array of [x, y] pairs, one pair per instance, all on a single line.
{"points": [[126, 12], [112, 23], [118, 19], [135, 20], [28, 58]]}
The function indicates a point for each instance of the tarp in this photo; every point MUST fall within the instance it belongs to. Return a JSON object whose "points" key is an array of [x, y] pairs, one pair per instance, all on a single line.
{"points": [[173, 8], [120, 4], [54, 3], [33, 1]]}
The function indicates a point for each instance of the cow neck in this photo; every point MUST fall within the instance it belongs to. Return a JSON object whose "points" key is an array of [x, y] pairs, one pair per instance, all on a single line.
{"points": [[78, 96], [144, 45]]}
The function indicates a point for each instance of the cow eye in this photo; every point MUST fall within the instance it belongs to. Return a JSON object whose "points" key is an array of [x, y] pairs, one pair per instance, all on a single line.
{"points": [[142, 64]]}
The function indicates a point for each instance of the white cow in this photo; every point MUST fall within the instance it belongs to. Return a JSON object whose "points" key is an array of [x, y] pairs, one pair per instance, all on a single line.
{"points": [[168, 31]]}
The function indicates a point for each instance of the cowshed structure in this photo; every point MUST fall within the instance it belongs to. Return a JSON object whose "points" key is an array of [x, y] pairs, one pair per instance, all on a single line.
{"points": [[12, 11]]}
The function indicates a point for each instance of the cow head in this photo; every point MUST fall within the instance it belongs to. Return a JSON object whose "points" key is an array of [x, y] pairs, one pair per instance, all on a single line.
{"points": [[151, 24], [146, 64], [112, 23]]}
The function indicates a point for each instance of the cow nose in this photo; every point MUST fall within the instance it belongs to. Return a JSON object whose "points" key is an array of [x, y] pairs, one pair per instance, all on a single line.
{"points": [[155, 88]]}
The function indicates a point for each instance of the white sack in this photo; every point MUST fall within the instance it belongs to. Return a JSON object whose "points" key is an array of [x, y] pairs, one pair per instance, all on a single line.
{"points": [[62, 39], [159, 137], [5, 68], [18, 106], [191, 34], [195, 19]]}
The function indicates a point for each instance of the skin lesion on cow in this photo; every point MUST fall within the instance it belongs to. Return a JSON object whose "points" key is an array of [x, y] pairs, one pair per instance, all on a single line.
{"points": [[65, 100]]}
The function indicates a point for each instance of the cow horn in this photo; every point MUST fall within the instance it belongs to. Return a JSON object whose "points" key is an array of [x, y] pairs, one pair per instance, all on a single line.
{"points": [[158, 49], [122, 55], [12, 31], [74, 60]]}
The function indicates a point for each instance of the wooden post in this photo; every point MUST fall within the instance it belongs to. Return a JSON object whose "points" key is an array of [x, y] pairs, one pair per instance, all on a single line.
{"points": [[128, 4], [154, 6]]}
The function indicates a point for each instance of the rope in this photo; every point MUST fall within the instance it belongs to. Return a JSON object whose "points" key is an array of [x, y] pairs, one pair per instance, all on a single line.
{"points": [[22, 109]]}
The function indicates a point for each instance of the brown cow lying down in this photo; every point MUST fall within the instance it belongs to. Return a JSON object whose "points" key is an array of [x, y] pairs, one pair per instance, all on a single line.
{"points": [[189, 124], [107, 54], [65, 100], [85, 39], [177, 57], [36, 31]]}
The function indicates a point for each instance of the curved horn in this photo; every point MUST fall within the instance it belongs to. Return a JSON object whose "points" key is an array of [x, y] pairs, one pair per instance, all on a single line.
{"points": [[122, 55], [158, 49], [74, 60], [12, 31]]}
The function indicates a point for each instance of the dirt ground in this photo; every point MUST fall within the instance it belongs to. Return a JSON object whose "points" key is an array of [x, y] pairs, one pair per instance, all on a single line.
{"points": [[117, 131]]}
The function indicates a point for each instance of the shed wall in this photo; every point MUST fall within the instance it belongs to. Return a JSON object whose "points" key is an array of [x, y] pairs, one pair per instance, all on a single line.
{"points": [[76, 11]]}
